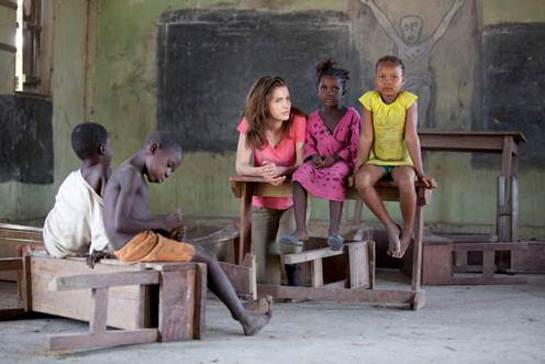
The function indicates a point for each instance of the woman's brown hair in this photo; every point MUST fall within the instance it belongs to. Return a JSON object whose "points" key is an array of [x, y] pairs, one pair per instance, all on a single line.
{"points": [[256, 111]]}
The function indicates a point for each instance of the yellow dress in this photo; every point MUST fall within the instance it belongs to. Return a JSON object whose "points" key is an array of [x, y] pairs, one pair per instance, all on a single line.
{"points": [[388, 147]]}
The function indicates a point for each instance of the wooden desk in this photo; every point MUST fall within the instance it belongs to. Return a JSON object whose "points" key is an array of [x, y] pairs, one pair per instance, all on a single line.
{"points": [[499, 142], [245, 187]]}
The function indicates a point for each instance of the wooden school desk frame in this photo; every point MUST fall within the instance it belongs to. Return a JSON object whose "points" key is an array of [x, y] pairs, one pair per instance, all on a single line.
{"points": [[245, 187], [150, 301]]}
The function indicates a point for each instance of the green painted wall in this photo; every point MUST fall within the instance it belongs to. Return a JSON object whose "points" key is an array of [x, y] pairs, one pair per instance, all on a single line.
{"points": [[28, 203], [123, 97], [509, 11]]}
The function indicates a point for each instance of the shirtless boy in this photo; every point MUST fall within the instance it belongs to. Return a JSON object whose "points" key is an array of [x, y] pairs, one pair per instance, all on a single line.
{"points": [[137, 236]]}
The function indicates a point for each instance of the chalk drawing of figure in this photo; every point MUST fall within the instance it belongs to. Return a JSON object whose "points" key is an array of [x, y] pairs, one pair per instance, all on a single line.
{"points": [[415, 52]]}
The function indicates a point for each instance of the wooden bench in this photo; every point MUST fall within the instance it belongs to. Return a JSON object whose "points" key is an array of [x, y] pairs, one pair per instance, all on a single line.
{"points": [[446, 262], [495, 142], [149, 301], [168, 297], [245, 187]]}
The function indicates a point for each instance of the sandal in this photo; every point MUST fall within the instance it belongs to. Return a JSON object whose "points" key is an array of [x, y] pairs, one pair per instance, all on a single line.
{"points": [[335, 242], [290, 244]]}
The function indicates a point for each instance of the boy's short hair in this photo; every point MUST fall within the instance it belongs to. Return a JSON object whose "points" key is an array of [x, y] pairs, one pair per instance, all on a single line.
{"points": [[165, 140], [393, 60], [87, 139]]}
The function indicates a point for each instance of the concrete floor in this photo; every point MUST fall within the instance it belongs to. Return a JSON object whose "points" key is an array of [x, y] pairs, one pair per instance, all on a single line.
{"points": [[478, 324]]}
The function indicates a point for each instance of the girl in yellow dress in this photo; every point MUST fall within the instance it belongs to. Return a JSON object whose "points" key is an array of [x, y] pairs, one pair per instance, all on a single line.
{"points": [[389, 147]]}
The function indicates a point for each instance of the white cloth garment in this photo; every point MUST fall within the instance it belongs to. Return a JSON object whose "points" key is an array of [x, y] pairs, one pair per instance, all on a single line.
{"points": [[74, 226]]}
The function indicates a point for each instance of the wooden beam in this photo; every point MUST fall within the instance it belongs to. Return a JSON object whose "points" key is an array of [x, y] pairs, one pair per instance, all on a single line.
{"points": [[10, 314], [87, 281], [490, 246], [8, 47], [106, 339], [310, 255], [468, 281], [337, 294], [8, 4], [11, 264]]}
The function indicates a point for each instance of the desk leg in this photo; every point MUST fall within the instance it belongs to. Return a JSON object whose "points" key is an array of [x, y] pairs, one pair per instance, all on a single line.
{"points": [[245, 222], [417, 250]]}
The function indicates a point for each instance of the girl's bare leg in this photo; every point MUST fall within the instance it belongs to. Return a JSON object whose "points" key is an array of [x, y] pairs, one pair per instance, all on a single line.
{"points": [[404, 179]]}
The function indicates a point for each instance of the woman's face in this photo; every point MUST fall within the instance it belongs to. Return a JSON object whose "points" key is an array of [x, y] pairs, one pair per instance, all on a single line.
{"points": [[280, 104]]}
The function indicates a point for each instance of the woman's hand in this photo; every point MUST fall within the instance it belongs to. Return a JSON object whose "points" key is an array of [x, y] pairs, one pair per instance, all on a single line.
{"points": [[271, 170], [276, 181]]}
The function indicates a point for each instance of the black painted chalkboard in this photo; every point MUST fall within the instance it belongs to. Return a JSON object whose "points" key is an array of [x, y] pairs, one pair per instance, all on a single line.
{"points": [[207, 61], [513, 85], [26, 139]]}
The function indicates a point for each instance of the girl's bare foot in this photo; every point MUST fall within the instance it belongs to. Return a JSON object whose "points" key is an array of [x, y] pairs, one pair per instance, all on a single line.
{"points": [[404, 242], [394, 245]]}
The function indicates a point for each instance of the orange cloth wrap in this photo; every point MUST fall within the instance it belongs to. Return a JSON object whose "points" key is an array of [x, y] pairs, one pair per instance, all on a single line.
{"points": [[152, 247]]}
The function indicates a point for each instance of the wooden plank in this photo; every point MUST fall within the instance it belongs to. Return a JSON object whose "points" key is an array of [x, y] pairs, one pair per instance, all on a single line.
{"points": [[531, 260], [337, 294], [514, 209], [358, 261], [316, 273], [372, 262], [11, 264], [10, 314], [199, 318], [107, 339], [461, 143], [437, 264], [419, 300], [488, 263], [245, 222], [6, 226], [310, 255], [26, 283], [8, 4], [99, 308], [418, 228], [8, 47], [479, 246], [87, 281], [469, 281], [241, 278], [339, 284], [126, 309], [177, 304], [250, 262]]}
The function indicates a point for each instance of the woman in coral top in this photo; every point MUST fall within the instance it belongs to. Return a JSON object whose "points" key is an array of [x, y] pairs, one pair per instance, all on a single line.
{"points": [[270, 145]]}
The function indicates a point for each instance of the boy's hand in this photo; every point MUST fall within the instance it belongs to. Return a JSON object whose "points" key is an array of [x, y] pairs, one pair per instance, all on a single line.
{"points": [[173, 221], [329, 161], [96, 256], [179, 233]]}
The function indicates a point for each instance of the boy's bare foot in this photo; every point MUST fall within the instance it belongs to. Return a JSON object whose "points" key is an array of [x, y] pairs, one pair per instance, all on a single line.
{"points": [[404, 242], [394, 245], [254, 322], [261, 305]]}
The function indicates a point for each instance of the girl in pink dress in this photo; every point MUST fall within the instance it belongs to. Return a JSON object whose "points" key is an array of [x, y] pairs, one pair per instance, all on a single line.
{"points": [[332, 137]]}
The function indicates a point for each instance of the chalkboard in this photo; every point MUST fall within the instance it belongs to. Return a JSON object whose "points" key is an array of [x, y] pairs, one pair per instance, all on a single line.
{"points": [[513, 86], [207, 61], [26, 140]]}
